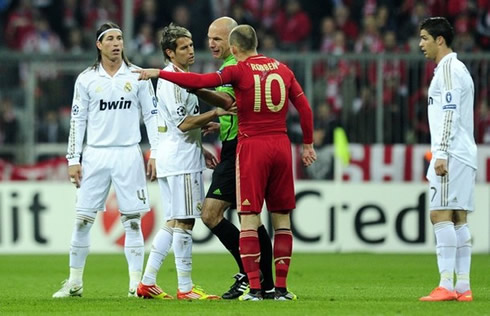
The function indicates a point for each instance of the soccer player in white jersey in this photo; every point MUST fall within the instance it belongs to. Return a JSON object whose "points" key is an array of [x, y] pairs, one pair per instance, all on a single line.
{"points": [[107, 103], [452, 170], [180, 161]]}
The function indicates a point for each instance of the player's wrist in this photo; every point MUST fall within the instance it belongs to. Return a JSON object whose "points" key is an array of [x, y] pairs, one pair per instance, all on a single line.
{"points": [[73, 161], [441, 155]]}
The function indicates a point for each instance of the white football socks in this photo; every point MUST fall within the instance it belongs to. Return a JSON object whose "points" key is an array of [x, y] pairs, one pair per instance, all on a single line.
{"points": [[183, 258], [463, 258], [159, 251], [446, 252], [80, 243], [134, 248]]}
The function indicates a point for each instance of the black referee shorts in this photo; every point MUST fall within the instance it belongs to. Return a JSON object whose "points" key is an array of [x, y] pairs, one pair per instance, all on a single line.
{"points": [[223, 185]]}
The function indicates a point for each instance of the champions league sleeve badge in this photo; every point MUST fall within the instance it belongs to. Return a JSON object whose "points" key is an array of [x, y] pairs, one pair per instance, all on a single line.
{"points": [[181, 111], [75, 109]]}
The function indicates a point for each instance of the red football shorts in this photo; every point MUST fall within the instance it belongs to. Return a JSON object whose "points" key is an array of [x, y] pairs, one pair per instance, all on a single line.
{"points": [[264, 171]]}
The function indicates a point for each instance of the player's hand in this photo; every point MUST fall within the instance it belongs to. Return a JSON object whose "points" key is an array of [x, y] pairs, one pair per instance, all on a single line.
{"points": [[230, 111], [146, 74], [210, 159], [440, 166], [309, 155], [75, 174], [151, 169], [209, 128]]}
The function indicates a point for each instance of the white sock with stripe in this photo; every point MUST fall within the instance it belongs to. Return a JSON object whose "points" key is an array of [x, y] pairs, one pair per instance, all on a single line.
{"points": [[134, 248], [183, 258], [446, 252], [463, 258], [159, 251], [80, 243]]}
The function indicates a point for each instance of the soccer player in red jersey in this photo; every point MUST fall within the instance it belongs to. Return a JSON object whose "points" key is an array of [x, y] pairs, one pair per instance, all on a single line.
{"points": [[263, 89]]}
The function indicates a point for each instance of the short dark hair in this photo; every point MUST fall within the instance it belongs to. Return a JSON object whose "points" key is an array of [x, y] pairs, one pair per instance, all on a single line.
{"points": [[169, 36], [244, 37], [438, 26], [104, 27]]}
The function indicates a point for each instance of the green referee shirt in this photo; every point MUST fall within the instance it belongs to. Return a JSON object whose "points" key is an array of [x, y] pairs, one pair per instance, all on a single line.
{"points": [[228, 123]]}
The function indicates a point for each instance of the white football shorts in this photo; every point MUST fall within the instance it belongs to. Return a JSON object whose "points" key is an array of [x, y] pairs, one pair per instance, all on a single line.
{"points": [[182, 195], [454, 191], [121, 166]]}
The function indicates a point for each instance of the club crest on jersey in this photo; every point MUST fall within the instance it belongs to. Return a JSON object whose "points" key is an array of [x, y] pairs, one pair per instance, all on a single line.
{"points": [[114, 105], [449, 97], [128, 87], [75, 109], [98, 89]]}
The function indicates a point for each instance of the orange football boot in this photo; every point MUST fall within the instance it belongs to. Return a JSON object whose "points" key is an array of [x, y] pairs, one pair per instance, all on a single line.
{"points": [[439, 294], [465, 297], [152, 291]]}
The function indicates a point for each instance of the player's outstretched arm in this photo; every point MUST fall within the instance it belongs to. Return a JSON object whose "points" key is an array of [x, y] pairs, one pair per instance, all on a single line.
{"points": [[187, 80], [198, 121], [148, 73], [216, 98]]}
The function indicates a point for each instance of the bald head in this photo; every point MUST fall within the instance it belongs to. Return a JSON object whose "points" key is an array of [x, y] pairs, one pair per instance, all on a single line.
{"points": [[218, 33], [244, 38], [226, 24]]}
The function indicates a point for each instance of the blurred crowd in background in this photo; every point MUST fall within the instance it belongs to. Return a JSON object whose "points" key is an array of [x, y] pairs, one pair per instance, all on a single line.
{"points": [[332, 27]]}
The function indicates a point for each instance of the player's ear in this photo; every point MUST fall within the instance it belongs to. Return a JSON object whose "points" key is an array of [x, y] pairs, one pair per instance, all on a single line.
{"points": [[170, 53], [440, 40], [99, 45], [233, 49]]}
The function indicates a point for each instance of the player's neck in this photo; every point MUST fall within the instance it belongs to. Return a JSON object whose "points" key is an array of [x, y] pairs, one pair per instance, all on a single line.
{"points": [[180, 68], [241, 56], [443, 52], [111, 66]]}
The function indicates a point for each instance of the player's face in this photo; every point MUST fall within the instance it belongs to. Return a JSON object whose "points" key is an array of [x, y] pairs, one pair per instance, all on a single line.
{"points": [[183, 56], [428, 45], [218, 42], [111, 46]]}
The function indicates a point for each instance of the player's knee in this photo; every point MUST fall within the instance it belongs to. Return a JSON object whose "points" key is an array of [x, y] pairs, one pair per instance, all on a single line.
{"points": [[208, 219], [84, 221], [212, 216], [131, 222], [184, 224]]}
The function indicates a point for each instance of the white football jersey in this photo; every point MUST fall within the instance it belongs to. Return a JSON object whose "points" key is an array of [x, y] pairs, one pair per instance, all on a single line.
{"points": [[178, 152], [450, 111], [109, 109]]}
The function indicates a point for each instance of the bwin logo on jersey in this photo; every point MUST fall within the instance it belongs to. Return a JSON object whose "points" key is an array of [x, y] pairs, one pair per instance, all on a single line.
{"points": [[114, 105], [449, 97], [431, 101]]}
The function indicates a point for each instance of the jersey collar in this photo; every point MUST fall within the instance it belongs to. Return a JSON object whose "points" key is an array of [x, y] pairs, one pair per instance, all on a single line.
{"points": [[448, 56], [255, 57], [229, 58], [123, 69]]}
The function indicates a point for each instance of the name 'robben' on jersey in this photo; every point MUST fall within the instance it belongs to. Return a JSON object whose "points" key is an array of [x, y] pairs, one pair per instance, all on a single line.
{"points": [[104, 102]]}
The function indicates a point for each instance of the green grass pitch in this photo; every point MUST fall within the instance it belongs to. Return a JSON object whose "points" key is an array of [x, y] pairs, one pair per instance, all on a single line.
{"points": [[326, 284]]}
